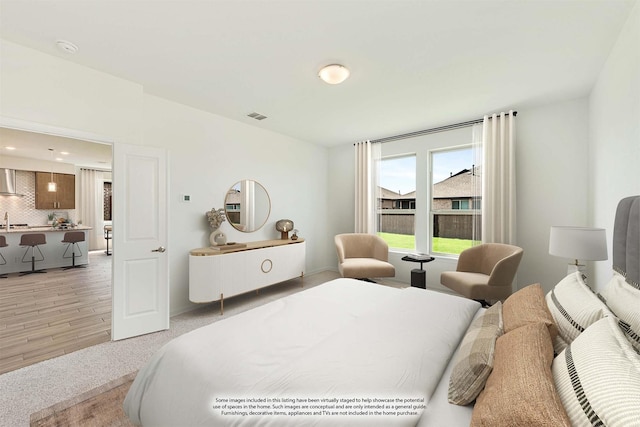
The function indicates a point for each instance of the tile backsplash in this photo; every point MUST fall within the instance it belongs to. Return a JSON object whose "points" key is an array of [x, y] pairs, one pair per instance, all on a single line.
{"points": [[22, 210]]}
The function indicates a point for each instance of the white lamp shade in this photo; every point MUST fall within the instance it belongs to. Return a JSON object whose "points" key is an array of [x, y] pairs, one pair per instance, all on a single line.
{"points": [[334, 74], [579, 243]]}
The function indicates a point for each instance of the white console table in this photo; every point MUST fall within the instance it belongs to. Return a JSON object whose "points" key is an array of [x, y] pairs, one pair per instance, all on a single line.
{"points": [[218, 273]]}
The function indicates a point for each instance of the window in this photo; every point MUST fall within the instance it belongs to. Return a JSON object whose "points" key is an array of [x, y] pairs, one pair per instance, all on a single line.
{"points": [[406, 204], [107, 196], [413, 174], [460, 204], [397, 201], [455, 200]]}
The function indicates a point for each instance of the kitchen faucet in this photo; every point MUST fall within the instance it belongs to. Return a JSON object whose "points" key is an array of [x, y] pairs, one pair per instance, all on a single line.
{"points": [[6, 221]]}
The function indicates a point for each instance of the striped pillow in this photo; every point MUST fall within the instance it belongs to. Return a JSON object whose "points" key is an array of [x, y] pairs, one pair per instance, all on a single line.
{"points": [[574, 306], [474, 360], [623, 299], [598, 377]]}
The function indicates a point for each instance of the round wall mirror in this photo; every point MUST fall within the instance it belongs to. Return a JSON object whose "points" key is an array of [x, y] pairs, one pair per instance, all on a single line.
{"points": [[247, 205]]}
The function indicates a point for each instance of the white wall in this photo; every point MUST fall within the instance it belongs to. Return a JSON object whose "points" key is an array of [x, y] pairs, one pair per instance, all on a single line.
{"points": [[552, 184], [551, 158], [614, 139], [47, 90], [207, 153]]}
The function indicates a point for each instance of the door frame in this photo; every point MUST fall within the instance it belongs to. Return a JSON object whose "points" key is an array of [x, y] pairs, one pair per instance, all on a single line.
{"points": [[28, 126]]}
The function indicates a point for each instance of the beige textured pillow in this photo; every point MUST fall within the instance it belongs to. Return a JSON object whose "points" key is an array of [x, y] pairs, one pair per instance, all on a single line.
{"points": [[624, 301], [598, 377], [474, 360], [528, 306], [574, 306], [520, 391]]}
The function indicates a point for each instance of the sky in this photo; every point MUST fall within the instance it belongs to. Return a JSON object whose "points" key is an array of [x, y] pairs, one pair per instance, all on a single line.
{"points": [[399, 174]]}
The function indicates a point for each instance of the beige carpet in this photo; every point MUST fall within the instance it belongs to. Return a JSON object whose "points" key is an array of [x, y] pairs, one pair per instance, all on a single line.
{"points": [[99, 407]]}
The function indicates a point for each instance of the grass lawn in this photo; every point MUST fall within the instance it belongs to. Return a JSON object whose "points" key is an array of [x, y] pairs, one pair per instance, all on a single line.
{"points": [[440, 244]]}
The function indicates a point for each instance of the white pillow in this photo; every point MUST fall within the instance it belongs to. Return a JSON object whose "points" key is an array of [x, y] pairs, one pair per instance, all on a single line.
{"points": [[598, 377], [574, 306], [624, 301]]}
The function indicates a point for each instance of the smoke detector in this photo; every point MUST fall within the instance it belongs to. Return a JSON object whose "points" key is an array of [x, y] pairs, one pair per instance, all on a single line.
{"points": [[66, 46]]}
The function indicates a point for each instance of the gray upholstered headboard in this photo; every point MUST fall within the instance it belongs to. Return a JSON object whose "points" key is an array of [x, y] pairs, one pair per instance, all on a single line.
{"points": [[626, 240]]}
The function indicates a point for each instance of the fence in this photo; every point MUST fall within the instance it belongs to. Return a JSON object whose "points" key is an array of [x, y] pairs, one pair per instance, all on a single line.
{"points": [[453, 225]]}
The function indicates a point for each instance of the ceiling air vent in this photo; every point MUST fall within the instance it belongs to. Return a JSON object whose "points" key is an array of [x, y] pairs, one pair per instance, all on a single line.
{"points": [[257, 116]]}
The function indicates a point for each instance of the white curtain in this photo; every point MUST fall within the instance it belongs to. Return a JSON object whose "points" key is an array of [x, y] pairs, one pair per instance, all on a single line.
{"points": [[499, 179], [91, 207], [476, 183], [367, 158]]}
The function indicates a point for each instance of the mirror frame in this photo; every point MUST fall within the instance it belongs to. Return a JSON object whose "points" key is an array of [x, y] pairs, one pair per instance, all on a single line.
{"points": [[249, 185]]}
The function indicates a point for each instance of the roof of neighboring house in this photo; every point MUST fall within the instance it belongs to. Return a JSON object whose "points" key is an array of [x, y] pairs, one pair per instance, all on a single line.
{"points": [[387, 194], [458, 185], [232, 197], [411, 195]]}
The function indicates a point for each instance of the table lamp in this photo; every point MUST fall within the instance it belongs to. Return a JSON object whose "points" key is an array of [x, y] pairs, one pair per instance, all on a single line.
{"points": [[578, 243], [284, 226]]}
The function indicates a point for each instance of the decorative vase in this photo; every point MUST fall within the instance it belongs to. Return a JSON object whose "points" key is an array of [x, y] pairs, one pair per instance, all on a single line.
{"points": [[212, 237], [221, 239]]}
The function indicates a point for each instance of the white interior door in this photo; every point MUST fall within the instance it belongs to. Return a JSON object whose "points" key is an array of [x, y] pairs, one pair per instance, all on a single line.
{"points": [[140, 264]]}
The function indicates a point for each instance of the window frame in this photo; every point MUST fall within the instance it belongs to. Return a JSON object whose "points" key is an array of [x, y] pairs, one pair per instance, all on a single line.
{"points": [[422, 146], [398, 208], [470, 202]]}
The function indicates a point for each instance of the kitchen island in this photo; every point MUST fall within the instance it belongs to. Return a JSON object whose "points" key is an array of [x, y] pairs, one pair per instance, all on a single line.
{"points": [[53, 250]]}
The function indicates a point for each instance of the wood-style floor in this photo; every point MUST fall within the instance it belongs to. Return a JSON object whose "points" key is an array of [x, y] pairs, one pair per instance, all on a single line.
{"points": [[51, 314]]}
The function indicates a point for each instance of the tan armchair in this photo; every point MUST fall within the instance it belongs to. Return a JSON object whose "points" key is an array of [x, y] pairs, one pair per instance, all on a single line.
{"points": [[363, 256], [484, 272]]}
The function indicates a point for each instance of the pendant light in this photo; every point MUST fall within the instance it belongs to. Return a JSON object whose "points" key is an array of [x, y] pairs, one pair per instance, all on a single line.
{"points": [[51, 186]]}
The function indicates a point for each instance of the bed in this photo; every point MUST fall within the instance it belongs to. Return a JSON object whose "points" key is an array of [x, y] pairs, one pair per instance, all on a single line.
{"points": [[349, 352]]}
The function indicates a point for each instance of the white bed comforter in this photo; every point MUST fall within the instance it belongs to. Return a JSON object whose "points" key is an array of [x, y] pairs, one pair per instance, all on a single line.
{"points": [[345, 339]]}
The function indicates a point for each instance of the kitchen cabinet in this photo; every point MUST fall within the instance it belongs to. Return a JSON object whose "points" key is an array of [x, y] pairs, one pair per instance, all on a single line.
{"points": [[63, 198]]}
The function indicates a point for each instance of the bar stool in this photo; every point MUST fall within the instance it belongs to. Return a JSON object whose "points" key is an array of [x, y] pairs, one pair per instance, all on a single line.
{"points": [[34, 241], [71, 238], [107, 236], [3, 244]]}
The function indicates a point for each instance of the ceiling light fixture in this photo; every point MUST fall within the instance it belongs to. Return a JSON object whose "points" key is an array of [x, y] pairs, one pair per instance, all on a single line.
{"points": [[66, 46], [334, 74], [51, 186]]}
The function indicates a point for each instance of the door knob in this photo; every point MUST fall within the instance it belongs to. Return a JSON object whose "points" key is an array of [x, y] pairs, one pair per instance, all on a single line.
{"points": [[160, 249]]}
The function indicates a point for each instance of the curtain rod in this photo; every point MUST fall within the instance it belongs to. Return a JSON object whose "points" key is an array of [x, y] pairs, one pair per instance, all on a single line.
{"points": [[95, 169], [433, 130]]}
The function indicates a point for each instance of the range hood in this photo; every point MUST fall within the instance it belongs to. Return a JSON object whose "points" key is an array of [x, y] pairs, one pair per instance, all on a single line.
{"points": [[8, 182]]}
